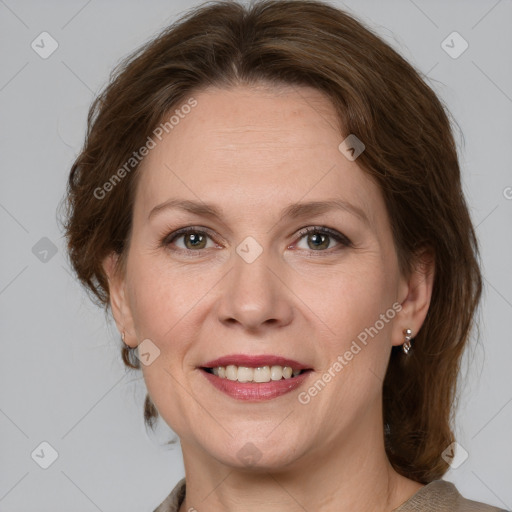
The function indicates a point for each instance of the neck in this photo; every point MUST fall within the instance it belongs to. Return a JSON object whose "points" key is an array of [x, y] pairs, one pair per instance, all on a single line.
{"points": [[345, 474]]}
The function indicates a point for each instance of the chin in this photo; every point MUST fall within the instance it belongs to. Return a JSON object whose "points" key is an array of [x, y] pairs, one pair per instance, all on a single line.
{"points": [[258, 453]]}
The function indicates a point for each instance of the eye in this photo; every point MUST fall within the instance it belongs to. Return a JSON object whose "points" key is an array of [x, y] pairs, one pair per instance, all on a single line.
{"points": [[193, 239], [319, 238]]}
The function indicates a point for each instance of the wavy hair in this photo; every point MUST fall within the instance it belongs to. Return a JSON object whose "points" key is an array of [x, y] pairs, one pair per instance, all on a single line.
{"points": [[410, 153]]}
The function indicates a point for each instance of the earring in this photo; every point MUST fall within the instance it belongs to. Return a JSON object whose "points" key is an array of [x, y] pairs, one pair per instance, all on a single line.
{"points": [[407, 344]]}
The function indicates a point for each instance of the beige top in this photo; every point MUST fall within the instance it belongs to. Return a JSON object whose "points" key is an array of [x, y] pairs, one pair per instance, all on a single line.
{"points": [[437, 496]]}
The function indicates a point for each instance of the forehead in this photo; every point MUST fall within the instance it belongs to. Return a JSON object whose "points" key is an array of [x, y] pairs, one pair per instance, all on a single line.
{"points": [[248, 148]]}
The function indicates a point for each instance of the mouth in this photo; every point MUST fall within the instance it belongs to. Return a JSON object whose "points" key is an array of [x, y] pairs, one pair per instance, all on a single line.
{"points": [[259, 374], [255, 378]]}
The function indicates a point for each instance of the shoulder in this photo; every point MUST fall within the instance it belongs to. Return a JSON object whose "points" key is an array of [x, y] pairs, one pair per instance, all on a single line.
{"points": [[443, 496], [437, 496], [173, 502]]}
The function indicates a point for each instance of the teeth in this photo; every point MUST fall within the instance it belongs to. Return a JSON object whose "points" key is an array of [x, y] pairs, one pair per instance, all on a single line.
{"points": [[276, 372], [245, 374], [287, 372], [260, 374], [231, 372]]}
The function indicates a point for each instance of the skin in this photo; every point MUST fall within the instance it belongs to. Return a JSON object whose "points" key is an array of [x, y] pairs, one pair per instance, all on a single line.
{"points": [[252, 150]]}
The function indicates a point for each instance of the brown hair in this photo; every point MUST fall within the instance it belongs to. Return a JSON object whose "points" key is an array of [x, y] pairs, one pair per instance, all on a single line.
{"points": [[410, 152]]}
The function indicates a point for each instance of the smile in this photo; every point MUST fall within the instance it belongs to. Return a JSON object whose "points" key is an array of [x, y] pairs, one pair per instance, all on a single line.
{"points": [[259, 374], [255, 378]]}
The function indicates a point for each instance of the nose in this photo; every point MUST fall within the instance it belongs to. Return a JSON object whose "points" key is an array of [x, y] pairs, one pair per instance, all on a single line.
{"points": [[256, 296]]}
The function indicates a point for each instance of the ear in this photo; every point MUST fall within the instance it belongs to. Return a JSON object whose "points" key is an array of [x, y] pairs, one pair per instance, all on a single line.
{"points": [[415, 292], [118, 299]]}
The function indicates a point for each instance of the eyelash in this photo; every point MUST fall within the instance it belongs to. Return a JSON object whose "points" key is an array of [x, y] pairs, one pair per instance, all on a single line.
{"points": [[322, 230]]}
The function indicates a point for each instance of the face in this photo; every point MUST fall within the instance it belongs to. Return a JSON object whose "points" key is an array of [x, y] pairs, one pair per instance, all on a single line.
{"points": [[251, 285]]}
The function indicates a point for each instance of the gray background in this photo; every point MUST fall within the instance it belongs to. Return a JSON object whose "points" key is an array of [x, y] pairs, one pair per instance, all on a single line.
{"points": [[62, 380]]}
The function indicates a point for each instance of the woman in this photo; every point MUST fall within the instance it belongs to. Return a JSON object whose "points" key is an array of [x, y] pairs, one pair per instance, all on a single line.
{"points": [[269, 200]]}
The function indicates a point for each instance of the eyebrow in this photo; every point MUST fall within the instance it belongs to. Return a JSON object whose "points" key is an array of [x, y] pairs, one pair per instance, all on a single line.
{"points": [[294, 210]]}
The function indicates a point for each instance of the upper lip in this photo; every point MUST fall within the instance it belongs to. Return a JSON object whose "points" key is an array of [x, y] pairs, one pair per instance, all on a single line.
{"points": [[255, 361]]}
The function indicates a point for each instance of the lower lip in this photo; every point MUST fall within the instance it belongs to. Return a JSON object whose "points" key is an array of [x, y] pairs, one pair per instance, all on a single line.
{"points": [[256, 391]]}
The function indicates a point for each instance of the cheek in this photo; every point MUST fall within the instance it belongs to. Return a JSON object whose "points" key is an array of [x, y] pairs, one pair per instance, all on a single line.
{"points": [[355, 346], [356, 355], [161, 296], [347, 300], [152, 306], [162, 303]]}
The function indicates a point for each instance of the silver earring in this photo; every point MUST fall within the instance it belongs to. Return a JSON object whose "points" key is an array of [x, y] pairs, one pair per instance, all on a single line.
{"points": [[407, 344], [122, 337]]}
